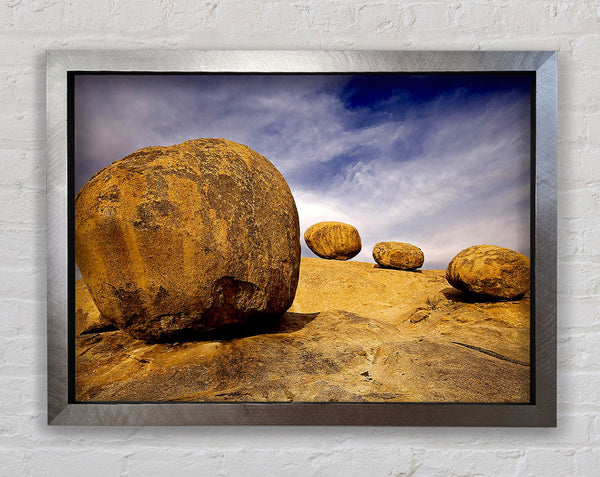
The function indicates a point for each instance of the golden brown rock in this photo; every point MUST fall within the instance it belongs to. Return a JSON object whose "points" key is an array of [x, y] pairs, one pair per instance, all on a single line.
{"points": [[87, 317], [398, 255], [334, 240], [490, 270], [187, 238], [349, 336]]}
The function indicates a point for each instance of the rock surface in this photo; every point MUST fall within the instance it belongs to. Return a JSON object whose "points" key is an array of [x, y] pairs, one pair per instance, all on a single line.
{"points": [[176, 240], [398, 255], [490, 270], [87, 317], [333, 240], [355, 332]]}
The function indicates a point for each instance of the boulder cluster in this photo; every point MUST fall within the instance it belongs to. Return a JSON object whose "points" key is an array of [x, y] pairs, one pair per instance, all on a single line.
{"points": [[484, 270], [177, 240]]}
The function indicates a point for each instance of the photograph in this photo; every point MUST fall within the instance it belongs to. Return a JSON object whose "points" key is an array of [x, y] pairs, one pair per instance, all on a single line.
{"points": [[322, 237]]}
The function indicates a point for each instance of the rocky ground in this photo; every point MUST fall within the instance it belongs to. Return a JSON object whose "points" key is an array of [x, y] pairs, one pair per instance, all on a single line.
{"points": [[356, 332]]}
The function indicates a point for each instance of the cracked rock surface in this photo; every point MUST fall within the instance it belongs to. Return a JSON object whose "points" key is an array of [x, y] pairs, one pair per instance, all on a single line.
{"points": [[355, 332]]}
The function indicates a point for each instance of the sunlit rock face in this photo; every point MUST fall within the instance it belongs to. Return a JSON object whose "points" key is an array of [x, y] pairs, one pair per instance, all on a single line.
{"points": [[188, 238], [355, 332]]}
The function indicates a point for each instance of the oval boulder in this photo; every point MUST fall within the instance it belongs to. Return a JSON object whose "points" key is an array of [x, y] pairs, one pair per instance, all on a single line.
{"points": [[188, 238], [333, 240], [490, 270], [398, 255]]}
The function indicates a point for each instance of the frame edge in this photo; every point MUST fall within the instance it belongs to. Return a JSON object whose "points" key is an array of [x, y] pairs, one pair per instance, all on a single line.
{"points": [[60, 412]]}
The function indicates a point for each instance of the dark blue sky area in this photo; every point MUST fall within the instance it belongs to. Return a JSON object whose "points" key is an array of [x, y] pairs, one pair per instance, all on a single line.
{"points": [[373, 91]]}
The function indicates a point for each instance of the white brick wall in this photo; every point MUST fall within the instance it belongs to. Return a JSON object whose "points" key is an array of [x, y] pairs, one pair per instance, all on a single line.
{"points": [[29, 27]]}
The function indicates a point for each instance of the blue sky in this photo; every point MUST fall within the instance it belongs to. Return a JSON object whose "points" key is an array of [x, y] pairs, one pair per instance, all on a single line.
{"points": [[439, 161]]}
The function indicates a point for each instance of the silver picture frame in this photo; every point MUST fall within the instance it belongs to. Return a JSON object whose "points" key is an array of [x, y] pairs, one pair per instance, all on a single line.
{"points": [[541, 412]]}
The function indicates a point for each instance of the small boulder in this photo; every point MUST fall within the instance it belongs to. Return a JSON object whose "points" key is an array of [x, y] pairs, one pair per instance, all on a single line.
{"points": [[398, 255], [490, 270], [188, 238], [333, 240]]}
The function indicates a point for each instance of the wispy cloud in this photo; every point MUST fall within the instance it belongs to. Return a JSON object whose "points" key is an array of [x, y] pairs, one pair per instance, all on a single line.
{"points": [[442, 164]]}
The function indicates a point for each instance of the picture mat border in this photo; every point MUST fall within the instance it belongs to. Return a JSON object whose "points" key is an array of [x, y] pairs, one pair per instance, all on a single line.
{"points": [[542, 411]]}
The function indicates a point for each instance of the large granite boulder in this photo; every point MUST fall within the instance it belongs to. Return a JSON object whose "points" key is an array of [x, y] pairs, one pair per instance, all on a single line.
{"points": [[398, 255], [176, 240], [333, 240], [490, 270]]}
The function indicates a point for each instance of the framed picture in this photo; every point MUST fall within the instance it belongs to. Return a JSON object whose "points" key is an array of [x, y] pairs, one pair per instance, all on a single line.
{"points": [[301, 238]]}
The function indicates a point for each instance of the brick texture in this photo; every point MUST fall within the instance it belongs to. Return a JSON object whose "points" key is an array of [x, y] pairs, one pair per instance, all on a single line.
{"points": [[28, 28]]}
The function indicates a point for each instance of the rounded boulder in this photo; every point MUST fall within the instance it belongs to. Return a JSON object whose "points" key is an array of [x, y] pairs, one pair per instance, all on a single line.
{"points": [[398, 255], [490, 270], [188, 238], [333, 240]]}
